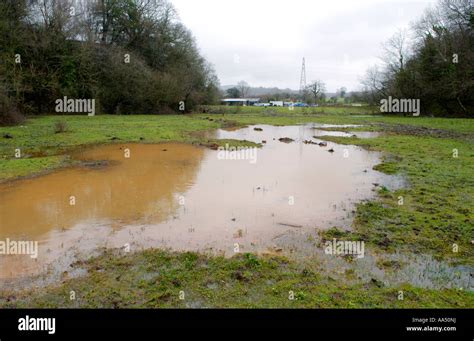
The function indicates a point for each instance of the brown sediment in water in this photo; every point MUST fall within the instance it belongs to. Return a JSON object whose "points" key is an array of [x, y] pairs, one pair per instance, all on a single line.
{"points": [[124, 191], [185, 198]]}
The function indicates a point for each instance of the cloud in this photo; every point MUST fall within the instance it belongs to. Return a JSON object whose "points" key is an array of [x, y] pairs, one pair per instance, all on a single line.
{"points": [[264, 41]]}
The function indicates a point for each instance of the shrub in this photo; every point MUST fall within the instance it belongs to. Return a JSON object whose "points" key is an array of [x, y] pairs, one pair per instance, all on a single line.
{"points": [[60, 127], [9, 114]]}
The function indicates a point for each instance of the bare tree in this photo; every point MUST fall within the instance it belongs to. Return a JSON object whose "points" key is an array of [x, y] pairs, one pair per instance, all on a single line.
{"points": [[243, 89], [449, 14], [374, 83], [396, 51], [316, 88]]}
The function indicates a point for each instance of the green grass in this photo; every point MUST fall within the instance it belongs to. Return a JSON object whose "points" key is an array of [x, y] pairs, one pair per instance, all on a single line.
{"points": [[14, 168], [437, 208], [38, 142], [332, 110], [155, 279], [38, 136]]}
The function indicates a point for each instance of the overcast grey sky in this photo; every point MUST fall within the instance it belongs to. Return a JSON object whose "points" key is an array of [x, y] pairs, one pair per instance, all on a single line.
{"points": [[263, 41]]}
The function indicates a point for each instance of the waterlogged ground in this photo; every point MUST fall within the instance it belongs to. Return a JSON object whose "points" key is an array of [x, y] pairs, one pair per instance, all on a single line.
{"points": [[154, 199], [188, 198]]}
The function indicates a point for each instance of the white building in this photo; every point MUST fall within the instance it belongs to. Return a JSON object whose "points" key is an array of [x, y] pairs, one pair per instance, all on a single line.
{"points": [[240, 101]]}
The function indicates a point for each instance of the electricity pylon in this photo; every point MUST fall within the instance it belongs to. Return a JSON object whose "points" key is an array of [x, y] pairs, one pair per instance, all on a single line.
{"points": [[303, 78]]}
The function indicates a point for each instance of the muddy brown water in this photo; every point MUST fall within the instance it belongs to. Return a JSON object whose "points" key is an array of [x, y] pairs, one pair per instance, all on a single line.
{"points": [[184, 197]]}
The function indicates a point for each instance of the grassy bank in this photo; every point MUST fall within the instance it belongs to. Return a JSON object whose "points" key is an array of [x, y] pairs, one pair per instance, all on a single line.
{"points": [[434, 213], [158, 279]]}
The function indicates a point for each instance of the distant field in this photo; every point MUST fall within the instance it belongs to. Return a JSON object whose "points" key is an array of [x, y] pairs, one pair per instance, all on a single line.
{"points": [[338, 110], [337, 115]]}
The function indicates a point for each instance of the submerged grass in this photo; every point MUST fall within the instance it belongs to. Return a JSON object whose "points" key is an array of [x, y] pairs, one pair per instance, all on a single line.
{"points": [[159, 279]]}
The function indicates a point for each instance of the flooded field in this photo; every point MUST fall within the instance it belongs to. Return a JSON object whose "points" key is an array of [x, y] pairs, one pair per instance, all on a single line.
{"points": [[272, 199], [184, 197]]}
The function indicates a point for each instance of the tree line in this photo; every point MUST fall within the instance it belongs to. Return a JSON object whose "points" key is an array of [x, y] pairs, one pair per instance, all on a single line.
{"points": [[432, 62], [130, 56]]}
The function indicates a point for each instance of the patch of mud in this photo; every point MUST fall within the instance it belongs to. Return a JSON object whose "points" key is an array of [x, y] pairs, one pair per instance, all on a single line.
{"points": [[357, 134], [423, 131], [332, 126]]}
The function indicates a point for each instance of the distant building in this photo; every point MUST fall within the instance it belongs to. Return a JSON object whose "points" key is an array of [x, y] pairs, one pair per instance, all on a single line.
{"points": [[240, 101]]}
